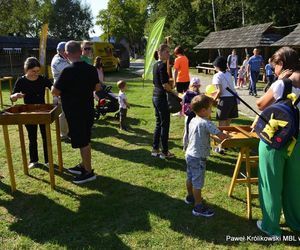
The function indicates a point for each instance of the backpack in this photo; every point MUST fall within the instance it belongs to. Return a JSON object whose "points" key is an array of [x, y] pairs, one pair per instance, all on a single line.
{"points": [[278, 124]]}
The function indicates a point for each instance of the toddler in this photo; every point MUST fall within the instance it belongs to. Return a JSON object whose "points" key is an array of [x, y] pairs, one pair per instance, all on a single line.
{"points": [[123, 104], [194, 89]]}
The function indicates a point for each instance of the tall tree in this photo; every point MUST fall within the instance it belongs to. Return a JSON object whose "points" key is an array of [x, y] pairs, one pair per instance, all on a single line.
{"points": [[124, 19], [70, 20]]}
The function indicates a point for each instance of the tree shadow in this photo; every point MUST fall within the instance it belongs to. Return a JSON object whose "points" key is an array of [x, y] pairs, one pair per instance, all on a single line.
{"points": [[117, 208]]}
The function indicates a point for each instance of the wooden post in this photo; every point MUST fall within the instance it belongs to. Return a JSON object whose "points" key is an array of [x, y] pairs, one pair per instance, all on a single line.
{"points": [[23, 150], [248, 187], [58, 141], [50, 155], [9, 159], [1, 99], [236, 172]]}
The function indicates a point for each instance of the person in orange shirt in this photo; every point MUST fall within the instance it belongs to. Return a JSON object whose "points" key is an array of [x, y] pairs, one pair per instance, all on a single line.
{"points": [[181, 70]]}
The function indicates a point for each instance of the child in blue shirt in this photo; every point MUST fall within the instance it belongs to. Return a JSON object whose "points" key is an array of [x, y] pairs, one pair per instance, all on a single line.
{"points": [[197, 151], [269, 75]]}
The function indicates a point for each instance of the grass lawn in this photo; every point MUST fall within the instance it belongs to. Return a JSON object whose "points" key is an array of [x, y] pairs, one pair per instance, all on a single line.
{"points": [[136, 201]]}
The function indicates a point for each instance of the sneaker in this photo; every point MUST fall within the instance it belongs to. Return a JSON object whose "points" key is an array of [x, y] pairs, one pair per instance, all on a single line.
{"points": [[189, 199], [168, 155], [76, 170], [202, 210], [84, 177], [219, 151], [65, 138], [155, 152], [33, 164]]}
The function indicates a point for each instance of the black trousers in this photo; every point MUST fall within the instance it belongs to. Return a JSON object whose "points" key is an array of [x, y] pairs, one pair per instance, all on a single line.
{"points": [[162, 127], [33, 145]]}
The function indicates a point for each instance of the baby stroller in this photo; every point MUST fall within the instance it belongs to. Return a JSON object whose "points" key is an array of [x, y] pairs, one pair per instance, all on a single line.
{"points": [[107, 102]]}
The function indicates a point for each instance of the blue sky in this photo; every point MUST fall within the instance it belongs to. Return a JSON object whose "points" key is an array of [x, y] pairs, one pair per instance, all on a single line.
{"points": [[96, 5]]}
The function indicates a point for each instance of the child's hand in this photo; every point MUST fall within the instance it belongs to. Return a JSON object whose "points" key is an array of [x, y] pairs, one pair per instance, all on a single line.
{"points": [[223, 136]]}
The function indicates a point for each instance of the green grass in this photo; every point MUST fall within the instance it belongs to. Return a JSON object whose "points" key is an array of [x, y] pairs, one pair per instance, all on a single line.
{"points": [[136, 201]]}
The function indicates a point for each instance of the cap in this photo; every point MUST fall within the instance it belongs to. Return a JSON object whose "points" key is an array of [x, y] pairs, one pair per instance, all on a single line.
{"points": [[195, 81], [61, 46]]}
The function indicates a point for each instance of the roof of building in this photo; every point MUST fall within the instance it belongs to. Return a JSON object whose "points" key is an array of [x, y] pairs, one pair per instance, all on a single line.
{"points": [[292, 39], [25, 42], [259, 35]]}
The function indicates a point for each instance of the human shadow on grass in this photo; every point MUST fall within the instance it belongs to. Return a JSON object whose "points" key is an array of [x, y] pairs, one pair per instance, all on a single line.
{"points": [[138, 156], [135, 136], [120, 209]]}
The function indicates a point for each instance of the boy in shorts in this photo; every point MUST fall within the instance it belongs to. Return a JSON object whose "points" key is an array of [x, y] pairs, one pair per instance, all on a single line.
{"points": [[197, 151]]}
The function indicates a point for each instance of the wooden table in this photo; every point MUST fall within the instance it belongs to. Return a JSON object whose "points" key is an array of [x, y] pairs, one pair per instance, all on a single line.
{"points": [[31, 114], [244, 139], [9, 79]]}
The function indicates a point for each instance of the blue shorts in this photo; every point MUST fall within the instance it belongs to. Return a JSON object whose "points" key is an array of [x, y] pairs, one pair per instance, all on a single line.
{"points": [[195, 170]]}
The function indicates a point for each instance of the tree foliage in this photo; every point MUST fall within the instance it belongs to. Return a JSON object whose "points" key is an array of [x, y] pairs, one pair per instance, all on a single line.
{"points": [[68, 19], [124, 19]]}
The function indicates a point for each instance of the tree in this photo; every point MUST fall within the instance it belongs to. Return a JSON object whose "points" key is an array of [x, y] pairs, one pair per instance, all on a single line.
{"points": [[70, 20], [124, 19], [67, 19]]}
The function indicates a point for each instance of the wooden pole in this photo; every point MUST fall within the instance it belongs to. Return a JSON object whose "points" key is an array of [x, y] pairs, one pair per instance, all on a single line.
{"points": [[50, 155], [9, 158], [58, 141], [23, 150]]}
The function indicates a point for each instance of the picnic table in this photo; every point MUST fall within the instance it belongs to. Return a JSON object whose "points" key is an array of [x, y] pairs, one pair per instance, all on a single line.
{"points": [[206, 67]]}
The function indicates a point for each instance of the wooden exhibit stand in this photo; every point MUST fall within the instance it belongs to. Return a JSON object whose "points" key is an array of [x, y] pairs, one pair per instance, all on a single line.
{"points": [[31, 114], [244, 139], [9, 79]]}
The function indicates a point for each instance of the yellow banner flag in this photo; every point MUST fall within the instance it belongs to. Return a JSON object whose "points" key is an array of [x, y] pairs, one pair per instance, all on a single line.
{"points": [[43, 45]]}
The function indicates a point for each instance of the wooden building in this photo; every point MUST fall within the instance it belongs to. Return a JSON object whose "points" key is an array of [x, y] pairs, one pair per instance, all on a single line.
{"points": [[291, 40], [242, 39], [14, 51]]}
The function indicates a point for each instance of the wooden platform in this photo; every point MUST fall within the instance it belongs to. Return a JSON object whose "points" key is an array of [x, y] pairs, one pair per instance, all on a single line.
{"points": [[244, 139], [31, 114]]}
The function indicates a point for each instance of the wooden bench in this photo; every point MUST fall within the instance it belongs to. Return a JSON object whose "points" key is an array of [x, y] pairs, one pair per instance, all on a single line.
{"points": [[205, 69]]}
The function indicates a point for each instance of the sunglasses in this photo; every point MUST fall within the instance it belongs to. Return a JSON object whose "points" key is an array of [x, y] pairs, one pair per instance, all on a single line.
{"points": [[87, 48]]}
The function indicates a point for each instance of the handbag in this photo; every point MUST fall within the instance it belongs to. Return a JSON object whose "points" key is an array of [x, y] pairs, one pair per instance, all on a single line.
{"points": [[174, 102]]}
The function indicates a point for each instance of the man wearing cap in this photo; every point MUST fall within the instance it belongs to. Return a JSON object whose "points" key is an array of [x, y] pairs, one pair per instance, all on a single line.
{"points": [[58, 63]]}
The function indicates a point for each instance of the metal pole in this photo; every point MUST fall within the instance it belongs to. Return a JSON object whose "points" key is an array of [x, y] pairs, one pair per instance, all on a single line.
{"points": [[214, 18]]}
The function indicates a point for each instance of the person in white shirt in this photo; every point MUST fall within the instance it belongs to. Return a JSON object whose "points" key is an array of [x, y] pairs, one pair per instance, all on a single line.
{"points": [[58, 63], [232, 65], [124, 105], [227, 103]]}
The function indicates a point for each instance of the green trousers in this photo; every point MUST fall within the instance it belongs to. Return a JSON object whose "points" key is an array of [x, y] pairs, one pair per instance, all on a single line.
{"points": [[279, 187]]}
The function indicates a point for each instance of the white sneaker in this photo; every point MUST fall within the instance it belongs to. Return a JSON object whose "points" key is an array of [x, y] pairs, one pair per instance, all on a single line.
{"points": [[32, 164], [155, 152]]}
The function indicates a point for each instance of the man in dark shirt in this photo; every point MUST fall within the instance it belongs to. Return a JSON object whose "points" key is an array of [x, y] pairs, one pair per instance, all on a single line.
{"points": [[75, 85]]}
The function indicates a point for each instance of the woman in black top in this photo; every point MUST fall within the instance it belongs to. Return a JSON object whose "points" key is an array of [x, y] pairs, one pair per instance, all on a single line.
{"points": [[31, 87], [162, 114]]}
